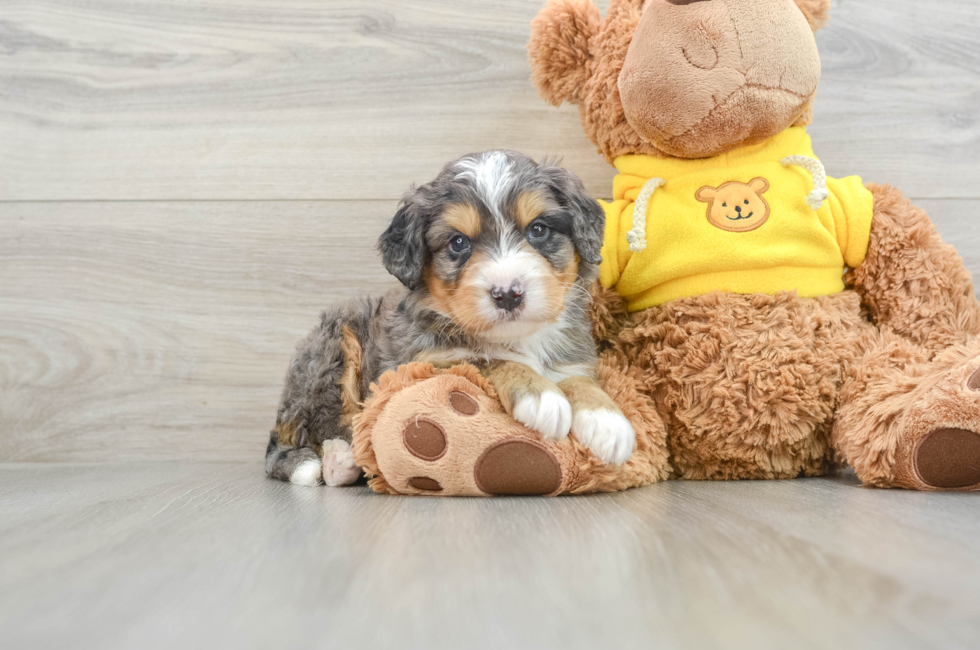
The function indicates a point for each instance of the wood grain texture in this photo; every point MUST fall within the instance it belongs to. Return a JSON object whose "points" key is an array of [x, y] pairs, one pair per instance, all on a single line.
{"points": [[172, 555], [163, 330], [323, 99]]}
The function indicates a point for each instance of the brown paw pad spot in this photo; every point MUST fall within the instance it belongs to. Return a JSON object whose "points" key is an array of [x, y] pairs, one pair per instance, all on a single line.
{"points": [[463, 403], [425, 439], [974, 382], [517, 467], [425, 483], [949, 458]]}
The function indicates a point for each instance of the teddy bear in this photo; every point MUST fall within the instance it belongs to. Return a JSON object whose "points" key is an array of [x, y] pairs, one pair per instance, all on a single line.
{"points": [[756, 318]]}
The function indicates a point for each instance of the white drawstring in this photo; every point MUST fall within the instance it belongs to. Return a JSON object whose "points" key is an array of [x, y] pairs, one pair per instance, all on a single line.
{"points": [[637, 237], [819, 194]]}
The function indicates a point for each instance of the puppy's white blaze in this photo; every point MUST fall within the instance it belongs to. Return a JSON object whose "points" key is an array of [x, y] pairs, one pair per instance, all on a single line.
{"points": [[607, 433], [492, 175], [506, 269], [306, 473], [339, 467], [550, 414]]}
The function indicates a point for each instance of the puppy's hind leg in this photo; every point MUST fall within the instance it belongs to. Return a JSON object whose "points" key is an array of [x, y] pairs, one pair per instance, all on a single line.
{"points": [[311, 441], [299, 465]]}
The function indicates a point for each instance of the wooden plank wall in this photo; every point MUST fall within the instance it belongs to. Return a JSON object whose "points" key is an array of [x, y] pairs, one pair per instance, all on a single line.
{"points": [[185, 184]]}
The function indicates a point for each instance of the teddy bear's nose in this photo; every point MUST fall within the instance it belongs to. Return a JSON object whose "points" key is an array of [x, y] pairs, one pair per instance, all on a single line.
{"points": [[685, 2], [738, 209]]}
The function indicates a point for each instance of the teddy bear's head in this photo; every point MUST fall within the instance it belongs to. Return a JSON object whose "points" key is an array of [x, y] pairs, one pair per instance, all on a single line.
{"points": [[683, 78]]}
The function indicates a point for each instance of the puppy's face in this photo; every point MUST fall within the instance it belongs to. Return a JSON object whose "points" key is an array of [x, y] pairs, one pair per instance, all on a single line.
{"points": [[503, 242]]}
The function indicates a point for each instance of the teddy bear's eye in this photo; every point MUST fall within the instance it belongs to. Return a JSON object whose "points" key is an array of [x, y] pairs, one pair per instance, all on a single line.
{"points": [[724, 205], [746, 201]]}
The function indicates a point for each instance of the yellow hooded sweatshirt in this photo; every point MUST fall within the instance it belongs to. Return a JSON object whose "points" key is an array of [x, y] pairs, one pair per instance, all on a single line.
{"points": [[759, 219]]}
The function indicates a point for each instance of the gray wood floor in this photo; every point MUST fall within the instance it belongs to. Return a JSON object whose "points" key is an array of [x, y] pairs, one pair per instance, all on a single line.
{"points": [[184, 185], [188, 555]]}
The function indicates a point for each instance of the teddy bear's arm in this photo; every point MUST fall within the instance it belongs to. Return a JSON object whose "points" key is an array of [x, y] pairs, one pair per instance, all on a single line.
{"points": [[911, 281]]}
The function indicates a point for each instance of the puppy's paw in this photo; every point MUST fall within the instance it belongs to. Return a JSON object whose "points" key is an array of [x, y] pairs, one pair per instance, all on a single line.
{"points": [[548, 413], [306, 473], [607, 433], [339, 467]]}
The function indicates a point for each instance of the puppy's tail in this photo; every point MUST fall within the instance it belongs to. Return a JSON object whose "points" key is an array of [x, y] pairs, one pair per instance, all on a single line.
{"points": [[299, 465]]}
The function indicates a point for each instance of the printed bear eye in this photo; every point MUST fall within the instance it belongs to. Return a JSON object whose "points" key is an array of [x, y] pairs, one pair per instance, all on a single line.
{"points": [[746, 201], [724, 205], [459, 243]]}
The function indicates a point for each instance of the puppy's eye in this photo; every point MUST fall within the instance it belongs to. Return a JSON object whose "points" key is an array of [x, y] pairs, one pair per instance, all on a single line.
{"points": [[459, 244], [537, 232]]}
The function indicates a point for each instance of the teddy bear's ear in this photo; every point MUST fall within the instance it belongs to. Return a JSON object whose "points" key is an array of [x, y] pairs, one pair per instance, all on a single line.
{"points": [[816, 12], [559, 48], [706, 194]]}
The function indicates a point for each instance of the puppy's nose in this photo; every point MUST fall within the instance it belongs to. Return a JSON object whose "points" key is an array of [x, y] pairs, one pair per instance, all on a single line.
{"points": [[507, 299]]}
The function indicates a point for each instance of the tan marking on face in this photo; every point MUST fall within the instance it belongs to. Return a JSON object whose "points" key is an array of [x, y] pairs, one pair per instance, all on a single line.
{"points": [[460, 300], [584, 393], [557, 285], [530, 205], [464, 218], [735, 206], [350, 382]]}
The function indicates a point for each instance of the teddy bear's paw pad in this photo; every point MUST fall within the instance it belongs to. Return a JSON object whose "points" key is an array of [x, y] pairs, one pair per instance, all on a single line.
{"points": [[949, 459], [517, 467], [463, 404], [425, 439], [974, 382], [425, 483]]}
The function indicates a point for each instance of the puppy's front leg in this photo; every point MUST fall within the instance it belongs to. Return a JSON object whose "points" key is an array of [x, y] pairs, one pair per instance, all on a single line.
{"points": [[597, 422], [531, 399]]}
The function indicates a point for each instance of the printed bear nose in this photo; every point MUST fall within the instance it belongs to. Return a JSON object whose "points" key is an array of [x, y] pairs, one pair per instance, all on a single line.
{"points": [[738, 208], [507, 299]]}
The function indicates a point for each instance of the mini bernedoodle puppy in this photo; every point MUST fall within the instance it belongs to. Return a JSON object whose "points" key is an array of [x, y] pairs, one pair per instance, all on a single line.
{"points": [[496, 255]]}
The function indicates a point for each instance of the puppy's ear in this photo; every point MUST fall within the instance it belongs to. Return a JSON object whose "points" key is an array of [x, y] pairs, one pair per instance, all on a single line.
{"points": [[588, 217], [402, 245]]}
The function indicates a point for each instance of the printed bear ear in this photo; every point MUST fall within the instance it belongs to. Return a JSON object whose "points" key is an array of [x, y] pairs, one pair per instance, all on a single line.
{"points": [[816, 12], [759, 185], [706, 194], [559, 49]]}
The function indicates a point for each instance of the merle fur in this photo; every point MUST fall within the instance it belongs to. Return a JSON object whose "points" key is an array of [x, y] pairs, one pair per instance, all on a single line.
{"points": [[393, 329]]}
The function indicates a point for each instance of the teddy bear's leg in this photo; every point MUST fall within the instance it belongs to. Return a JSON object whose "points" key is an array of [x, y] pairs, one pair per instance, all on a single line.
{"points": [[448, 434], [911, 282], [911, 419]]}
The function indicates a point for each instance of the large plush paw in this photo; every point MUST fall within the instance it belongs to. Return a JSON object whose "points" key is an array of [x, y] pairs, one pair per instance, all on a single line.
{"points": [[547, 412], [445, 435], [339, 467], [607, 433], [935, 424]]}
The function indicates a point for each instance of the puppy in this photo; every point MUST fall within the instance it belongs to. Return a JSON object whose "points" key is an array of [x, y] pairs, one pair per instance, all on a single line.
{"points": [[496, 256]]}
